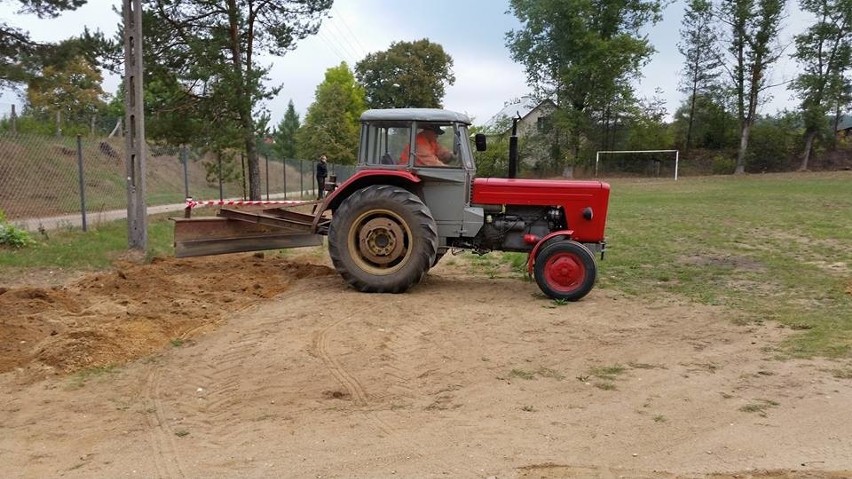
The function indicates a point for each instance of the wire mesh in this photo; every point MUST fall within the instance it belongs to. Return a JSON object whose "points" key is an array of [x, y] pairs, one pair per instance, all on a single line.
{"points": [[40, 177]]}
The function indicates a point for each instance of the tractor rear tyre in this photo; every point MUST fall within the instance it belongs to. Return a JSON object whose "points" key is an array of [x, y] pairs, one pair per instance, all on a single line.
{"points": [[441, 253], [382, 239], [565, 270]]}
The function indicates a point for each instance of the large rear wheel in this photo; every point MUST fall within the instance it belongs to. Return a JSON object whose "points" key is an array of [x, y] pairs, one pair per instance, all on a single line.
{"points": [[565, 270], [382, 239]]}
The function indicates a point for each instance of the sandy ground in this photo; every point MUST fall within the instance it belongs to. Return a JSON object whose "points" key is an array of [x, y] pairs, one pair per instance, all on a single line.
{"points": [[256, 367]]}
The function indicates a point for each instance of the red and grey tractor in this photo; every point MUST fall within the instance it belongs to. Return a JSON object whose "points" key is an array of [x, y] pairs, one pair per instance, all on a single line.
{"points": [[394, 219]]}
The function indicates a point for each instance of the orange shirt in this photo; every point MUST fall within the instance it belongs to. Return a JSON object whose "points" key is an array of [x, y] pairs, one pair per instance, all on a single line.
{"points": [[428, 151]]}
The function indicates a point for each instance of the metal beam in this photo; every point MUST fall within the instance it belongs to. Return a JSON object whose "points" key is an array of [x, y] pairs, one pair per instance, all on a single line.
{"points": [[217, 235]]}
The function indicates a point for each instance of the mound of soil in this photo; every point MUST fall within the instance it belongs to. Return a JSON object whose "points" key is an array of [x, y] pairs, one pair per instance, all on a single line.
{"points": [[109, 318]]}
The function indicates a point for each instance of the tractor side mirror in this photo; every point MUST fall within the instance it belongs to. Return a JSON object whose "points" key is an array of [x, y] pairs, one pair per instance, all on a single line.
{"points": [[479, 139]]}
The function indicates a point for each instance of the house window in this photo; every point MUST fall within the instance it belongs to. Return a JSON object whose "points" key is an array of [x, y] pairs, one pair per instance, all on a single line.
{"points": [[543, 124]]}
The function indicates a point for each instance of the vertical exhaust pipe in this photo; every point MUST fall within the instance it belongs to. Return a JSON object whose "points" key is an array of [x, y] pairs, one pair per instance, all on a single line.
{"points": [[513, 148]]}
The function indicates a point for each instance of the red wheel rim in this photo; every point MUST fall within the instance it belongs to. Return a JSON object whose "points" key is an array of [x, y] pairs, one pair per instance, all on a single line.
{"points": [[564, 272]]}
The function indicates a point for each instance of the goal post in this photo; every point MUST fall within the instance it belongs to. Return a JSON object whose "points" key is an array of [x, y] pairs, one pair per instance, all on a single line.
{"points": [[612, 152]]}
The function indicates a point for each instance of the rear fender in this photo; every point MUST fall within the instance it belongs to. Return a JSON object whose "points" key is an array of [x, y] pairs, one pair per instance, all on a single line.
{"points": [[566, 234], [364, 178]]}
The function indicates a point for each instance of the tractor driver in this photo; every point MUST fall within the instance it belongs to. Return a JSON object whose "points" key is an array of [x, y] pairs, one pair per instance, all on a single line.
{"points": [[428, 151]]}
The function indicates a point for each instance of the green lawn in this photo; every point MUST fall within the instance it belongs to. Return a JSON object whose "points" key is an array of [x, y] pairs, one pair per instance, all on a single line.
{"points": [[767, 248], [95, 249]]}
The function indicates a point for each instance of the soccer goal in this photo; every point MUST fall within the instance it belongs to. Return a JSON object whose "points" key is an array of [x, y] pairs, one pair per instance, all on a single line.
{"points": [[659, 164]]}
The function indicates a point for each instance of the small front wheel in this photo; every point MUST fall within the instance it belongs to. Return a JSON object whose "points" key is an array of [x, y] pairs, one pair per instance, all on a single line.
{"points": [[565, 270]]}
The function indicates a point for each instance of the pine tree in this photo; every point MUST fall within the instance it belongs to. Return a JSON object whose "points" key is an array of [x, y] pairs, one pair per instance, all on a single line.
{"points": [[285, 133]]}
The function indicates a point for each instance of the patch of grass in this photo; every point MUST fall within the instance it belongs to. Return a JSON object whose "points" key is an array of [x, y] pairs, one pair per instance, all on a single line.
{"points": [[540, 372], [11, 236], [528, 409], [498, 264], [181, 433], [550, 373], [95, 249], [517, 261], [605, 385], [660, 418], [760, 406], [842, 373], [80, 379], [767, 247], [608, 373], [635, 365], [177, 342], [522, 374]]}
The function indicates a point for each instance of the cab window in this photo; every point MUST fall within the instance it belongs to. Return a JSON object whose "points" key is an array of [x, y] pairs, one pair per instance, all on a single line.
{"points": [[385, 143], [436, 146]]}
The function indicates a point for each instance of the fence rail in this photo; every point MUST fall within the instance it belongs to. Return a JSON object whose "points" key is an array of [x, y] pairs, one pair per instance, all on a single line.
{"points": [[47, 177]]}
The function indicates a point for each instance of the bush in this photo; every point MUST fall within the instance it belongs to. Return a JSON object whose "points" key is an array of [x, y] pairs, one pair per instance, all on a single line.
{"points": [[13, 236], [723, 165]]}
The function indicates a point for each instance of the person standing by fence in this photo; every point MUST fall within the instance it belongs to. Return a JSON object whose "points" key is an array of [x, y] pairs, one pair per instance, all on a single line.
{"points": [[322, 173]]}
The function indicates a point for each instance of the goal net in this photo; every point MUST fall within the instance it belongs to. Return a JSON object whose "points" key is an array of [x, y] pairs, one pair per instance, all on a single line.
{"points": [[637, 163]]}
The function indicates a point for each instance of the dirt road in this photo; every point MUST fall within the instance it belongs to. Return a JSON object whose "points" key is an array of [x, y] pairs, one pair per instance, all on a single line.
{"points": [[270, 367]]}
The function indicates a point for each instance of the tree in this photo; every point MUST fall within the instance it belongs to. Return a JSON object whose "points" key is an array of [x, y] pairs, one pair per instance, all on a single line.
{"points": [[825, 54], [73, 91], [648, 128], [285, 134], [714, 125], [408, 74], [16, 47], [755, 26], [582, 55], [701, 55], [208, 50], [774, 140], [332, 121]]}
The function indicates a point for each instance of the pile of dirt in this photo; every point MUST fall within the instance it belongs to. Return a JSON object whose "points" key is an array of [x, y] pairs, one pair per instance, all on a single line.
{"points": [[112, 317]]}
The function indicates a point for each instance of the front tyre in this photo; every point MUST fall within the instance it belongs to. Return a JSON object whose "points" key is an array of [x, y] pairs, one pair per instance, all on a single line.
{"points": [[382, 239], [565, 270]]}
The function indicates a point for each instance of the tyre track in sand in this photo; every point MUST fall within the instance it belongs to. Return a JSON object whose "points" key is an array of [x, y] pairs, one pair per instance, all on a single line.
{"points": [[407, 339], [161, 434], [320, 347], [222, 384]]}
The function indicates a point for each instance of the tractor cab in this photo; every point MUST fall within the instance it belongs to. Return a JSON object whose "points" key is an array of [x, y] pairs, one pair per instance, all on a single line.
{"points": [[432, 145], [415, 138]]}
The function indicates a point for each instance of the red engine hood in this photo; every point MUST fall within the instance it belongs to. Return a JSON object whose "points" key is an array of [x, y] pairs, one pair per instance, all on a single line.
{"points": [[572, 196]]}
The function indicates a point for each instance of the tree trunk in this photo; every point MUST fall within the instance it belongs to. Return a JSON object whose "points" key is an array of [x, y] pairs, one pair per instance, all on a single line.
{"points": [[806, 155], [244, 103], [691, 118], [743, 148], [253, 162]]}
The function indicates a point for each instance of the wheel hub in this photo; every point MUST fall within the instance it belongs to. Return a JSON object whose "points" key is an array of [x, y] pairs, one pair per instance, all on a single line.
{"points": [[381, 241], [564, 271]]}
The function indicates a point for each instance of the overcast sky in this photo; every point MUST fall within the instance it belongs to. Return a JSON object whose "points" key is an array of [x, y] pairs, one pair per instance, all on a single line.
{"points": [[471, 31]]}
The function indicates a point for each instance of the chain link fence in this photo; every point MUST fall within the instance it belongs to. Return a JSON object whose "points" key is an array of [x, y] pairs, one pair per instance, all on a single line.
{"points": [[48, 180]]}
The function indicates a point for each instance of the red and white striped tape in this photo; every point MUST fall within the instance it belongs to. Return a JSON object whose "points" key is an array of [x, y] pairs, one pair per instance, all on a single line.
{"points": [[196, 203]]}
